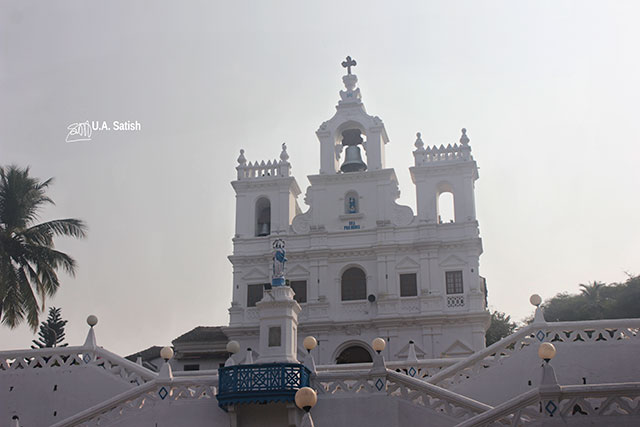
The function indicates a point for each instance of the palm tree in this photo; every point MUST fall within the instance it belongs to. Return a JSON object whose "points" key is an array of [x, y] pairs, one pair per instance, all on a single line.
{"points": [[28, 260], [593, 295]]}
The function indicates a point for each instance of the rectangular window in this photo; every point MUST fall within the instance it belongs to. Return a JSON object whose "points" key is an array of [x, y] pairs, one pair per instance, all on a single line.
{"points": [[300, 289], [194, 367], [408, 285], [254, 294], [275, 336], [454, 282]]}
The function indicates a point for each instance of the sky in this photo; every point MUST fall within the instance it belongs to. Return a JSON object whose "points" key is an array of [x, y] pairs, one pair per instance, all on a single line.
{"points": [[548, 91]]}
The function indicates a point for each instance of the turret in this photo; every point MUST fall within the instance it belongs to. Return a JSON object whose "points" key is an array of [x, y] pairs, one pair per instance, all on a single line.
{"points": [[266, 196]]}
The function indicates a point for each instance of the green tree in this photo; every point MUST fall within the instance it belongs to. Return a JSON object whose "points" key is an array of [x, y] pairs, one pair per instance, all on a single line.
{"points": [[596, 301], [51, 330], [28, 259], [501, 326]]}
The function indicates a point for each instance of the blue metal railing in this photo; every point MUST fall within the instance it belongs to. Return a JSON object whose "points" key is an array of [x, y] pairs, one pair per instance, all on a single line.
{"points": [[269, 382]]}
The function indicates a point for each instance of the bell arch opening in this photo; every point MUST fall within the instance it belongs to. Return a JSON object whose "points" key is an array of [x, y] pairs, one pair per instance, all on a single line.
{"points": [[354, 354], [263, 217], [446, 207]]}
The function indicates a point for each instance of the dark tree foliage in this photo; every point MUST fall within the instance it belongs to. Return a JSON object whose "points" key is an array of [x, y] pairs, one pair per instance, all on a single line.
{"points": [[51, 330], [29, 262], [501, 326], [596, 300]]}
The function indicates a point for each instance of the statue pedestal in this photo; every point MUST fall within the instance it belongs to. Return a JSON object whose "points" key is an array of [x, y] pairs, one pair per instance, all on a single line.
{"points": [[278, 326]]}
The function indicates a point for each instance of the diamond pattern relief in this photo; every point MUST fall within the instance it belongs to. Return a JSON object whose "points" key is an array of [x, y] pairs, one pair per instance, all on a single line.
{"points": [[412, 372], [540, 335], [551, 407], [379, 384], [163, 393]]}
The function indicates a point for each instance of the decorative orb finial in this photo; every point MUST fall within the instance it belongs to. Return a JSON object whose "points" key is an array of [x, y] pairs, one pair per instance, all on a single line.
{"points": [[378, 344], [310, 343], [166, 353], [536, 300], [546, 351], [306, 398], [92, 320], [233, 347]]}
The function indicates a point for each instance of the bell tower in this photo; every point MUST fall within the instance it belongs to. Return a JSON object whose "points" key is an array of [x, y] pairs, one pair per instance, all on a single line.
{"points": [[341, 131], [265, 196]]}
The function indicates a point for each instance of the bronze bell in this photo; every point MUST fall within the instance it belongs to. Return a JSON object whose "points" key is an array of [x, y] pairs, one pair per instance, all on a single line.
{"points": [[264, 229], [353, 158]]}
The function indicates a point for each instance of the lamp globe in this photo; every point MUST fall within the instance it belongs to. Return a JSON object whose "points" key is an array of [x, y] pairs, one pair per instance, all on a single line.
{"points": [[310, 343], [166, 353], [546, 351], [306, 398], [233, 347], [378, 344]]}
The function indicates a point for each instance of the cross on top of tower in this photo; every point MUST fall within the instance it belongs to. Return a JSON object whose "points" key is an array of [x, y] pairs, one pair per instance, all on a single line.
{"points": [[349, 63]]}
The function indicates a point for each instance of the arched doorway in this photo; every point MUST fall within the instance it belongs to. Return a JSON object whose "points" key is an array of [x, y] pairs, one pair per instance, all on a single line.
{"points": [[354, 354]]}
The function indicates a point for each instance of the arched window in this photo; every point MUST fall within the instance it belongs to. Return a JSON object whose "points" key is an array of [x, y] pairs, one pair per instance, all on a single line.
{"points": [[354, 284], [263, 217], [446, 208], [351, 203], [354, 354]]}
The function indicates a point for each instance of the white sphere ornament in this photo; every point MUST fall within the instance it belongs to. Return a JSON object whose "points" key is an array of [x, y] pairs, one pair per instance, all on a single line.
{"points": [[378, 344], [546, 351], [306, 398], [535, 299], [166, 353], [310, 343], [233, 347], [92, 320]]}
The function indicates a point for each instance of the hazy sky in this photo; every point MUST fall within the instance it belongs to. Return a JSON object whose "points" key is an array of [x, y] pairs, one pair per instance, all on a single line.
{"points": [[548, 91]]}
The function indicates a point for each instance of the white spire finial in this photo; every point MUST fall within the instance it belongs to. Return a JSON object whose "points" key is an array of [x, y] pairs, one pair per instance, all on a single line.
{"points": [[248, 360], [411, 355], [90, 341], [242, 160]]}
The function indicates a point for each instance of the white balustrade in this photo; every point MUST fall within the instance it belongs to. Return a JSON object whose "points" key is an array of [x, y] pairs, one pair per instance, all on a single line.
{"points": [[592, 331], [599, 400], [70, 357], [435, 154], [145, 396], [400, 386], [270, 169]]}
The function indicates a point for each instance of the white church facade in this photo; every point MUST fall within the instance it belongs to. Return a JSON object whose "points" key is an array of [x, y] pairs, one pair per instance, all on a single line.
{"points": [[361, 265]]}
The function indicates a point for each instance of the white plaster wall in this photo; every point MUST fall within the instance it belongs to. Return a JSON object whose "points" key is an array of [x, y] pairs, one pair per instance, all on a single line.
{"points": [[374, 411], [30, 394], [191, 413], [598, 362]]}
